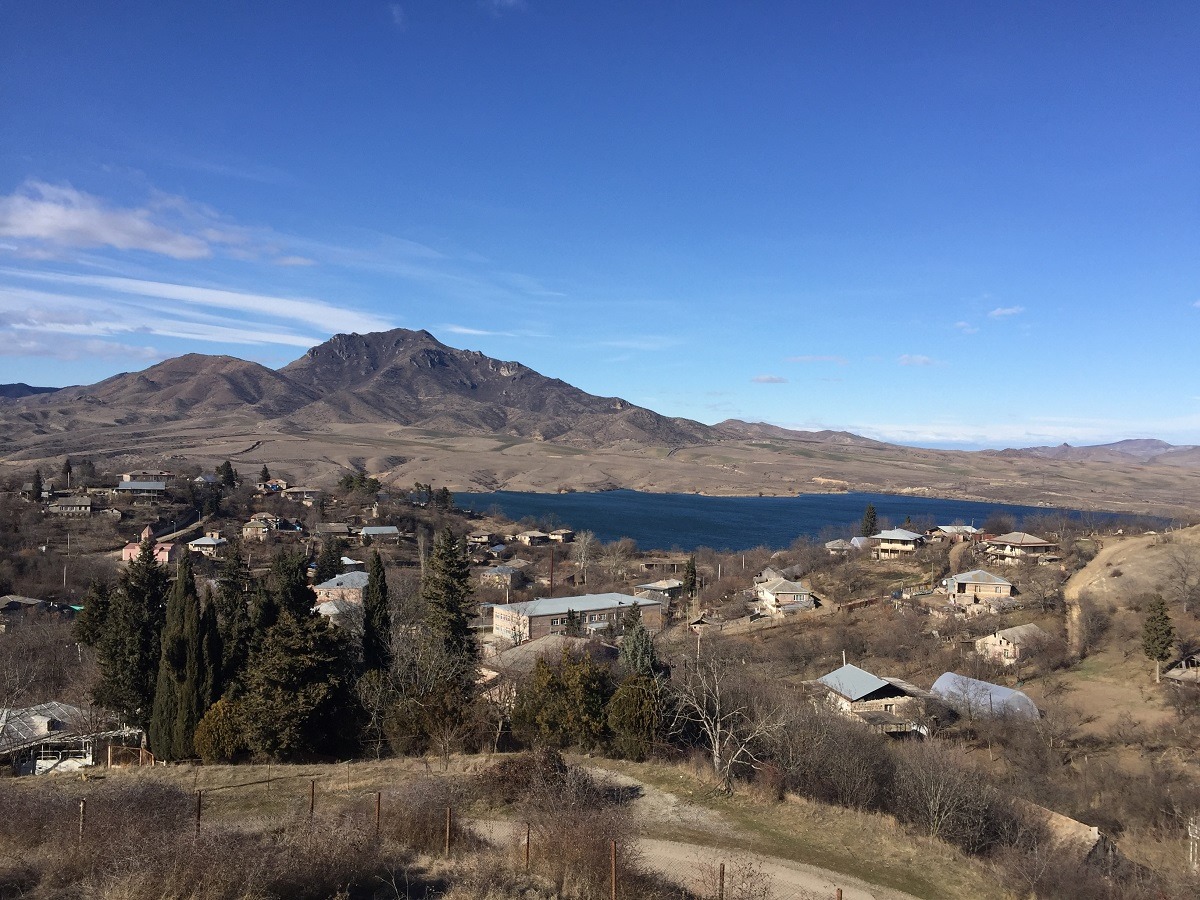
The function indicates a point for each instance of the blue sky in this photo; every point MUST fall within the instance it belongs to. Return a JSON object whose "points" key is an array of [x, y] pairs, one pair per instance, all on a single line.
{"points": [[949, 224]]}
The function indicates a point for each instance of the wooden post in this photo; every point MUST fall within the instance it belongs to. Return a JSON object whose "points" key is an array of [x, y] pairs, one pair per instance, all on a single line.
{"points": [[378, 812], [199, 794], [347, 774], [312, 799], [110, 756], [721, 882], [449, 819], [612, 869], [82, 818], [839, 894], [268, 778], [528, 835]]}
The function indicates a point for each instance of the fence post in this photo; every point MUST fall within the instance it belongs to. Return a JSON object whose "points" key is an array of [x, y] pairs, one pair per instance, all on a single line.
{"points": [[528, 835], [721, 882], [612, 867], [199, 794], [839, 894], [378, 812], [268, 778], [82, 818], [449, 816], [312, 800]]}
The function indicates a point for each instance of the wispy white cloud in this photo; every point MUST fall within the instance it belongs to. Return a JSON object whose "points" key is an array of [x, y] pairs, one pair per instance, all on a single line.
{"points": [[294, 261], [396, 11], [71, 349], [768, 379], [915, 359], [836, 360], [1001, 312], [966, 327], [56, 216], [500, 7]]}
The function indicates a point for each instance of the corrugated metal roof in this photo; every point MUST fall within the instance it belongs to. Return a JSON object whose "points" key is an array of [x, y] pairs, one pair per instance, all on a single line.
{"points": [[979, 576], [897, 534], [852, 682], [549, 606], [349, 580]]}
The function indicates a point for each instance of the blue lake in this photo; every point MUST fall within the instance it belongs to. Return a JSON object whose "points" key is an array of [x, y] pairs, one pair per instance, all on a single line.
{"points": [[688, 521]]}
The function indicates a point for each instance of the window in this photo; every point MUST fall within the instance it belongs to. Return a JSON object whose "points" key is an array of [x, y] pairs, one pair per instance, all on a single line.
{"points": [[889, 707], [554, 622]]}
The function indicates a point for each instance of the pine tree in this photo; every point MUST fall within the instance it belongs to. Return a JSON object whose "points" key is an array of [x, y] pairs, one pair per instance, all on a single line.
{"points": [[635, 715], [377, 619], [37, 487], [212, 655], [228, 474], [265, 474], [65, 474], [289, 584], [573, 624], [637, 655], [446, 590], [183, 691], [1158, 634], [235, 630], [129, 649], [869, 521], [329, 560]]}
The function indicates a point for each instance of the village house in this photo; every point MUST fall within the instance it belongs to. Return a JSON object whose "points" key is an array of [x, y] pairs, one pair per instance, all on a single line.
{"points": [[347, 587], [533, 538], [1012, 645], [306, 495], [505, 577], [481, 539], [166, 553], [887, 705], [670, 588], [562, 535], [976, 586], [71, 506], [672, 564], [1018, 546], [780, 597], [14, 608], [210, 545], [145, 476], [520, 622], [271, 486], [895, 543], [151, 490], [206, 479], [353, 565], [956, 534], [839, 547], [380, 534], [256, 530]]}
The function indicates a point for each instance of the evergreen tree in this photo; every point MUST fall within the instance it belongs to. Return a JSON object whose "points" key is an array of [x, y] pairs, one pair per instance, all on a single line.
{"points": [[297, 699], [37, 487], [573, 624], [329, 560], [635, 715], [689, 577], [446, 590], [869, 521], [265, 474], [212, 656], [129, 649], [65, 474], [443, 499], [228, 475], [234, 626], [184, 690], [289, 584], [637, 656], [563, 705], [89, 624], [1158, 634], [377, 619]]}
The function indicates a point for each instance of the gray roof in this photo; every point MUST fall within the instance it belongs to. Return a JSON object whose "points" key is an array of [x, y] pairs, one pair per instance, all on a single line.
{"points": [[142, 486], [21, 728], [852, 682], [897, 534], [979, 576], [551, 606], [1021, 539], [349, 580], [207, 541], [983, 697], [380, 530], [1023, 634]]}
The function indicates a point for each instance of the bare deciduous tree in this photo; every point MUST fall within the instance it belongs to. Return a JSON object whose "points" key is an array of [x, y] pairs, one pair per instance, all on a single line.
{"points": [[583, 550]]}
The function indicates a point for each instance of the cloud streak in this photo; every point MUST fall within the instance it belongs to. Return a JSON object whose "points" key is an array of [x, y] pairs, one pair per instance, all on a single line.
{"points": [[769, 379], [1003, 312], [914, 359]]}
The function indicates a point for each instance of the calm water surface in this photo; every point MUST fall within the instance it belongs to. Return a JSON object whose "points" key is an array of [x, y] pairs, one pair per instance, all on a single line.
{"points": [[688, 521]]}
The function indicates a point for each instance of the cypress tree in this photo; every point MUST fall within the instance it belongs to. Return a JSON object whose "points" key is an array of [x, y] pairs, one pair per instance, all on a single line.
{"points": [[446, 590], [1158, 634], [212, 657], [377, 619], [869, 521], [689, 577], [129, 649], [37, 487], [233, 622], [265, 474], [180, 698]]}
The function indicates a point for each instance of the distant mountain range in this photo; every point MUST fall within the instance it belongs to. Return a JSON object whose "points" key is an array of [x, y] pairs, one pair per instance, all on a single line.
{"points": [[405, 406]]}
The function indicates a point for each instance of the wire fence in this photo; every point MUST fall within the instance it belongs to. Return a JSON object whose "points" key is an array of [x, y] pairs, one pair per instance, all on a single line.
{"points": [[314, 801]]}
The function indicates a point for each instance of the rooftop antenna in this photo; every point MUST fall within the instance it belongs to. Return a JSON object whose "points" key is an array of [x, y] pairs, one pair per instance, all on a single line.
{"points": [[843, 657]]}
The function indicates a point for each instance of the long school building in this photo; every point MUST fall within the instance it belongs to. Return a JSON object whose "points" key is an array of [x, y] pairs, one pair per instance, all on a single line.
{"points": [[519, 622]]}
